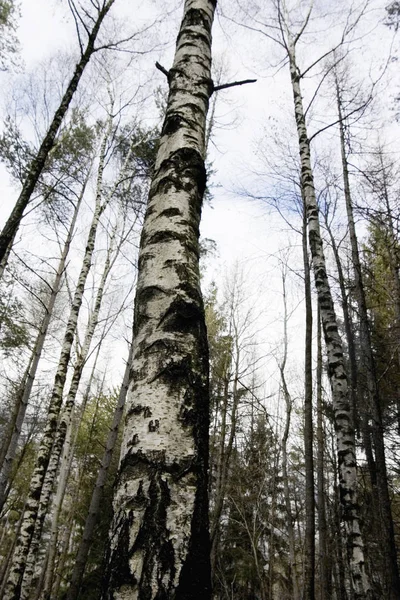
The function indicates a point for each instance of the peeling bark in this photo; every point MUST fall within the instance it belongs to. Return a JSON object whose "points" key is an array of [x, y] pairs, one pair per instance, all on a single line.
{"points": [[159, 541]]}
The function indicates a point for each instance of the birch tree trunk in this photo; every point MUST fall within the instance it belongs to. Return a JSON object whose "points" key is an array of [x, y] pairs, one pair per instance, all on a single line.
{"points": [[309, 542], [159, 540], [13, 587], [324, 562], [38, 163], [345, 437], [391, 583], [62, 442], [25, 389], [285, 474], [94, 508]]}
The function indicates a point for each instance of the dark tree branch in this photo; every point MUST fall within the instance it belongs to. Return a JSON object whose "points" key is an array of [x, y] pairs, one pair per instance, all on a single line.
{"points": [[162, 69], [234, 83]]}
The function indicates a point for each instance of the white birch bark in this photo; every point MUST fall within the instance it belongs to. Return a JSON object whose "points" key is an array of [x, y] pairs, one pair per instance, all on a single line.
{"points": [[13, 587], [62, 440], [286, 491], [25, 391], [159, 538], [345, 437], [369, 381], [94, 508], [65, 469]]}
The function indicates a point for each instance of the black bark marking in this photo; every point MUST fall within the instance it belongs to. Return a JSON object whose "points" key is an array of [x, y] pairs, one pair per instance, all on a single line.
{"points": [[139, 409], [171, 212], [182, 316]]}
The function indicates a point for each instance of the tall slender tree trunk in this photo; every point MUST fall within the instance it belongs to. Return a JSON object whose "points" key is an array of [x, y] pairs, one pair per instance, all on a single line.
{"points": [[25, 388], [65, 470], [337, 374], [324, 562], [224, 463], [62, 441], [37, 165], [348, 325], [94, 508], [309, 542], [13, 588], [286, 491], [159, 540], [391, 583]]}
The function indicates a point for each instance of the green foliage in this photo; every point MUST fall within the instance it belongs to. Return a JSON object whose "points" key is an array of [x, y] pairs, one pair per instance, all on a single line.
{"points": [[66, 166], [139, 146], [380, 258], [251, 549], [89, 452], [220, 346], [14, 334], [9, 45]]}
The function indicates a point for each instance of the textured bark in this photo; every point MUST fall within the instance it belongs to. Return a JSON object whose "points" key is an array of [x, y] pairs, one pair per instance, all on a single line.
{"points": [[38, 163], [370, 390], [336, 369], [94, 508], [309, 541], [65, 469], [159, 539], [4, 260], [25, 388], [62, 442], [325, 583], [13, 588], [348, 326]]}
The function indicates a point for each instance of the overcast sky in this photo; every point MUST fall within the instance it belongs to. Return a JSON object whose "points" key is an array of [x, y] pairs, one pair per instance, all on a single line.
{"points": [[245, 231]]}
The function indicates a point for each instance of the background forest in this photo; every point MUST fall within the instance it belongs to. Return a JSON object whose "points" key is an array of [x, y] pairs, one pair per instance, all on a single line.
{"points": [[83, 98]]}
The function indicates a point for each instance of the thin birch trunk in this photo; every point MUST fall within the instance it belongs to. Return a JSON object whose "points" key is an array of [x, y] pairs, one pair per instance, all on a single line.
{"points": [[223, 472], [309, 541], [159, 540], [13, 588], [324, 562], [63, 440], [348, 325], [345, 437], [391, 583], [65, 544], [285, 475], [25, 389], [65, 470], [38, 163], [94, 508]]}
